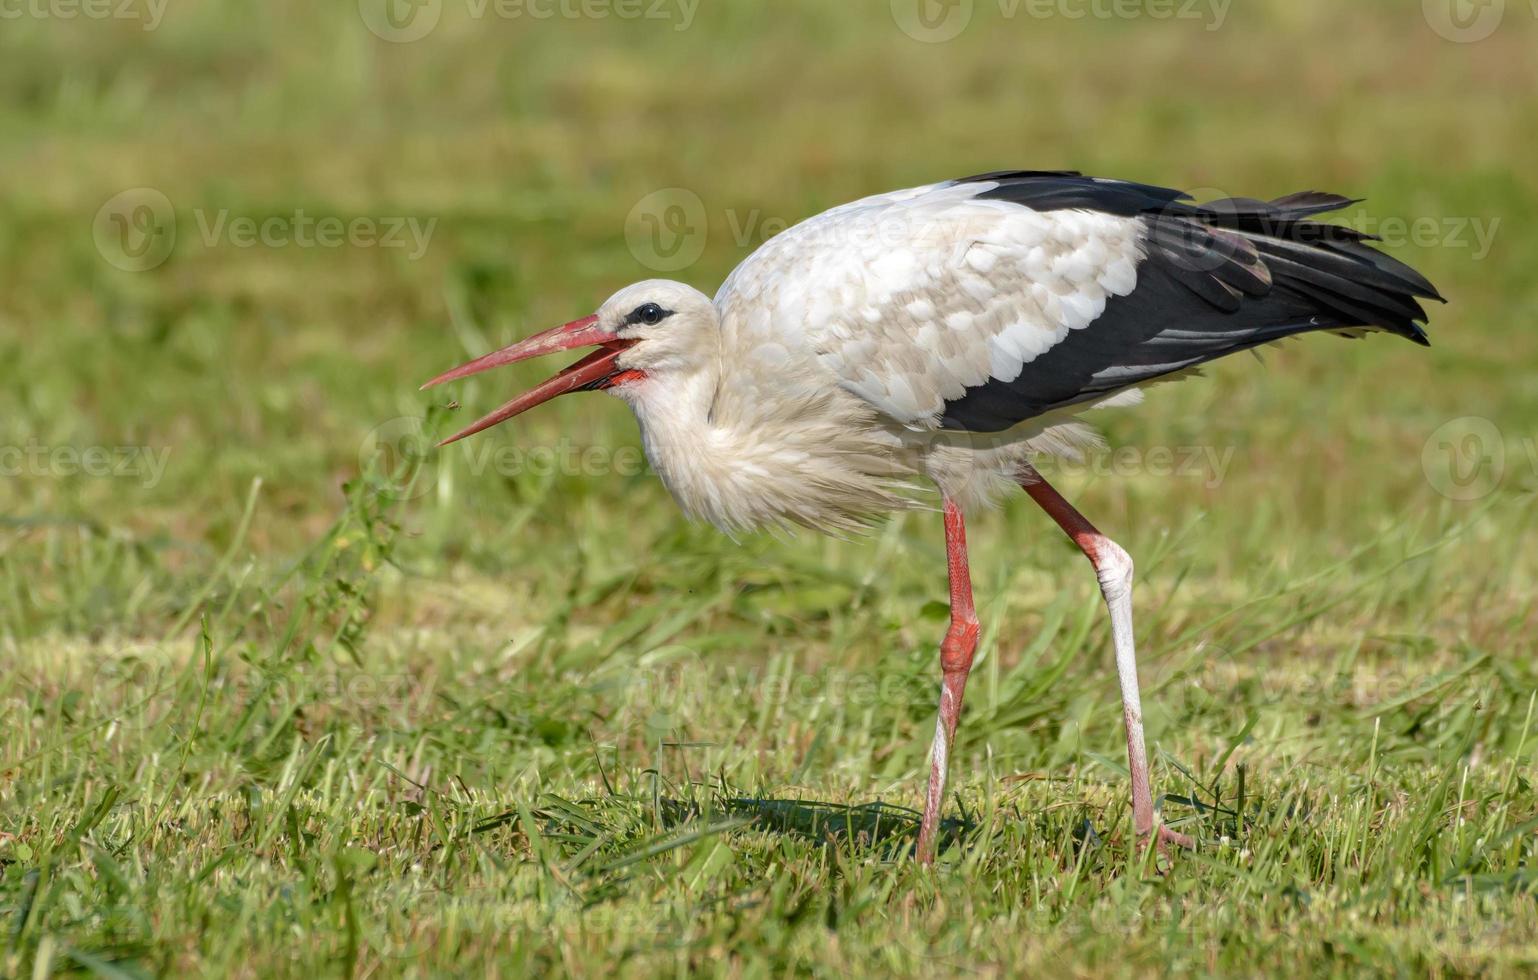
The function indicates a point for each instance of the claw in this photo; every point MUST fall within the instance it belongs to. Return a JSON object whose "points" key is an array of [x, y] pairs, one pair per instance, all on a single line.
{"points": [[1167, 838]]}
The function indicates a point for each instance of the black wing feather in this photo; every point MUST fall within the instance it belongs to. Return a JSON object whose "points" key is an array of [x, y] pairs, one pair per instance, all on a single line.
{"points": [[1219, 278]]}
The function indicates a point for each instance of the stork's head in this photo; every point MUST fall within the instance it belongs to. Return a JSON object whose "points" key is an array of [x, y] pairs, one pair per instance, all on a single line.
{"points": [[643, 333]]}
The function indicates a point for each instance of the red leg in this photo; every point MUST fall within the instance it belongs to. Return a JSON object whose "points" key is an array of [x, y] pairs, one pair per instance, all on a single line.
{"points": [[955, 663], [1113, 566]]}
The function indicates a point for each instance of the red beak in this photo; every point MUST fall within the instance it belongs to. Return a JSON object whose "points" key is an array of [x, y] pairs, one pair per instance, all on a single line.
{"points": [[594, 372]]}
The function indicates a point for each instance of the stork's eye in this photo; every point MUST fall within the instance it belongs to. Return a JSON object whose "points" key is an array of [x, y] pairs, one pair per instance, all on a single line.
{"points": [[649, 314]]}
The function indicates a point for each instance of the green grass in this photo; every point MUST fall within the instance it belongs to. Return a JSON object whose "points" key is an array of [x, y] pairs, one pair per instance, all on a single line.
{"points": [[293, 706]]}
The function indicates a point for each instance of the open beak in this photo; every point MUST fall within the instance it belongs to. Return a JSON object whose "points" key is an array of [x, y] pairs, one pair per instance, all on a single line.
{"points": [[596, 371]]}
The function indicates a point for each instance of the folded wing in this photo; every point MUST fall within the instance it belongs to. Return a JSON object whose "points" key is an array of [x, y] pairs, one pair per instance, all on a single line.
{"points": [[982, 303]]}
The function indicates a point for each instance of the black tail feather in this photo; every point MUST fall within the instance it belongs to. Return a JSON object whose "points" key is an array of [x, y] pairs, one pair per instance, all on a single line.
{"points": [[1335, 267], [1219, 278]]}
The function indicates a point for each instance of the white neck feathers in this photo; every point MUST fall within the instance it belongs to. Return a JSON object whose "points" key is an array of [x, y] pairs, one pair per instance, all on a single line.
{"points": [[816, 466]]}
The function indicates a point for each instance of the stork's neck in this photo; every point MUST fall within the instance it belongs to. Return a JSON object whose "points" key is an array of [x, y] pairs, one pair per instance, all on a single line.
{"points": [[681, 441], [814, 463]]}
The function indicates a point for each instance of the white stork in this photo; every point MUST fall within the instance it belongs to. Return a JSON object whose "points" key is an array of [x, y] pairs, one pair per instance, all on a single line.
{"points": [[954, 332]]}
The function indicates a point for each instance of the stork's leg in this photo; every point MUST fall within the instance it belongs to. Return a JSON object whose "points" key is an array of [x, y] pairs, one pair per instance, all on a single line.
{"points": [[1114, 568], [955, 663]]}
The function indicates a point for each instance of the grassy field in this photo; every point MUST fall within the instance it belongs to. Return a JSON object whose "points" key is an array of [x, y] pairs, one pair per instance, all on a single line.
{"points": [[282, 695]]}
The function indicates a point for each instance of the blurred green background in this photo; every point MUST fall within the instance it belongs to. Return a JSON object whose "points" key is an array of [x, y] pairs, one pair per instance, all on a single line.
{"points": [[234, 238]]}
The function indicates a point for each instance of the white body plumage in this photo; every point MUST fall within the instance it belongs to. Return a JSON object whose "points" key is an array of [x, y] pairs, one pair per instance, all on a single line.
{"points": [[816, 380]]}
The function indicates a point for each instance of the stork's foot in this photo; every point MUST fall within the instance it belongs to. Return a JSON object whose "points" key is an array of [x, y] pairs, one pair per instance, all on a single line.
{"points": [[955, 664], [1165, 838]]}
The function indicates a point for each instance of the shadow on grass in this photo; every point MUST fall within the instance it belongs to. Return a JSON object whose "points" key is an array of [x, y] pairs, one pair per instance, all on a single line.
{"points": [[890, 830]]}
